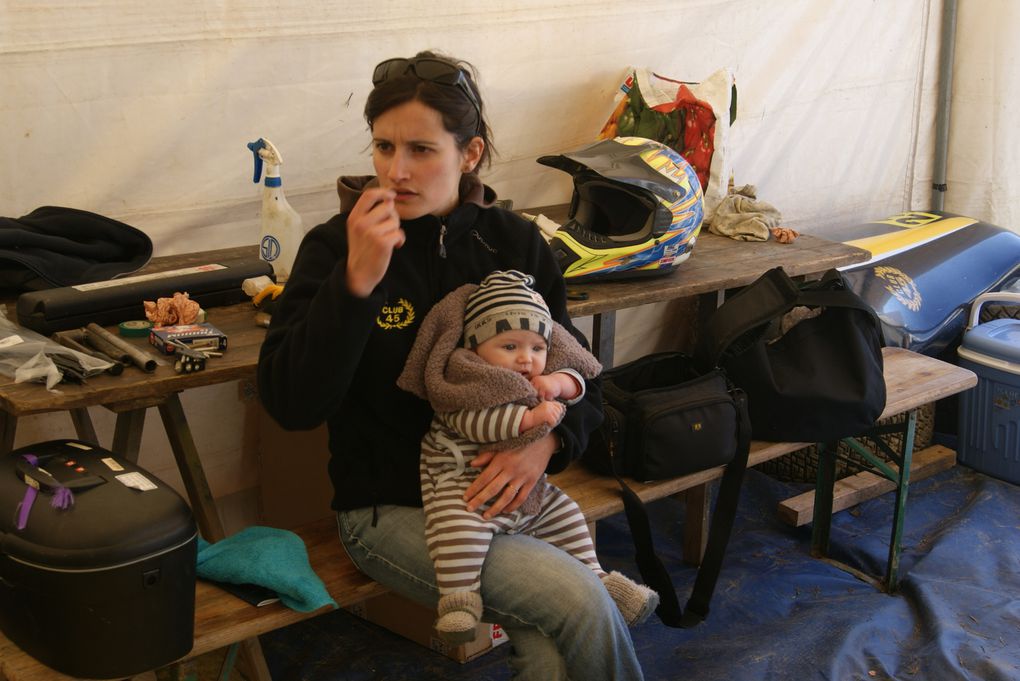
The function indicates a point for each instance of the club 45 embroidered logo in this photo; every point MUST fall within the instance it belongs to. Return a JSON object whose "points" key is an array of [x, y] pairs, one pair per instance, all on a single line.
{"points": [[397, 315]]}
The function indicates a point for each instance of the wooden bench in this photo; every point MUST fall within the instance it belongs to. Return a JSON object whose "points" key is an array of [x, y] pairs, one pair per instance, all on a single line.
{"points": [[912, 381], [223, 620]]}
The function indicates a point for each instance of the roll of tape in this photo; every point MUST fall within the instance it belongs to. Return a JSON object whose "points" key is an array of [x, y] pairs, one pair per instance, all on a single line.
{"points": [[135, 328]]}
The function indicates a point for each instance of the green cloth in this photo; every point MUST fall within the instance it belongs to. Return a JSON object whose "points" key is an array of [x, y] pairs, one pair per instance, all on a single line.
{"points": [[270, 557]]}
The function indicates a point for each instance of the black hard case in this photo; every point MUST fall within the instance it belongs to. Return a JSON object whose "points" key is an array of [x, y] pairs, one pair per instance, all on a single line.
{"points": [[118, 300], [105, 588]]}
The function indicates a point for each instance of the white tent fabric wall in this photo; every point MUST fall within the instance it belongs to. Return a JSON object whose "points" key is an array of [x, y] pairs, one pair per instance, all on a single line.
{"points": [[984, 141], [143, 113]]}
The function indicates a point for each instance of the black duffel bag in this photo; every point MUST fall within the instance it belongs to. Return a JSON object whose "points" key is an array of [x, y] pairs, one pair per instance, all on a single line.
{"points": [[663, 419], [809, 357]]}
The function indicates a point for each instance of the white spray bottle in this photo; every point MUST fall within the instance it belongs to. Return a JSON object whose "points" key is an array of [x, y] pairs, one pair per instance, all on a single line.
{"points": [[282, 228]]}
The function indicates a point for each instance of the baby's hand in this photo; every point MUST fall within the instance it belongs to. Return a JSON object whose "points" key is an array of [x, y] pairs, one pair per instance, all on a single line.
{"points": [[549, 413], [548, 386]]}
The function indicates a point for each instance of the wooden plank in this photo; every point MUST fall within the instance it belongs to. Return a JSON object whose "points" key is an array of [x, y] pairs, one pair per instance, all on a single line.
{"points": [[912, 380], [135, 388], [222, 619], [8, 429], [865, 485], [718, 263], [599, 495], [697, 524]]}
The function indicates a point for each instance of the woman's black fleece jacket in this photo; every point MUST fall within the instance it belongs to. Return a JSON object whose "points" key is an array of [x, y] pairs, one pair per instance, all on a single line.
{"points": [[334, 358]]}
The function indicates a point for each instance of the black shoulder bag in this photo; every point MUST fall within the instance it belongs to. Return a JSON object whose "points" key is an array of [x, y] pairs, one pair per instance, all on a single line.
{"points": [[664, 419], [809, 357]]}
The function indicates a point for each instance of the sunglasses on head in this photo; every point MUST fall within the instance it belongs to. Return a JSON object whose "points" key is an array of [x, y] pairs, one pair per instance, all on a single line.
{"points": [[431, 70]]}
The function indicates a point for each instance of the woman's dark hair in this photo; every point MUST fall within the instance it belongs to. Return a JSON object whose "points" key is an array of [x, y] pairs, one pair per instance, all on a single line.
{"points": [[460, 118]]}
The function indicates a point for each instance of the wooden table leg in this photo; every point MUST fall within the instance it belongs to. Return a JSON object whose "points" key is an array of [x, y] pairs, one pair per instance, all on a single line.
{"points": [[251, 660], [696, 523], [185, 670], [127, 434], [604, 337], [8, 429], [83, 425], [190, 466]]}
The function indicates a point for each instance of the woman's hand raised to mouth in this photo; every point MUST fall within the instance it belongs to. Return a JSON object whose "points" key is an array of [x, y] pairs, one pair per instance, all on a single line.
{"points": [[373, 231]]}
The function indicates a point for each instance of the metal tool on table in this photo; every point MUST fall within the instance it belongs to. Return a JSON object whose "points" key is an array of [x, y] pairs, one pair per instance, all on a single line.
{"points": [[100, 338], [191, 357], [188, 360], [75, 340]]}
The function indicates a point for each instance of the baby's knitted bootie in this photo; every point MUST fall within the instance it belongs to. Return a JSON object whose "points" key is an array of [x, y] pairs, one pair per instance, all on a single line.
{"points": [[459, 613], [635, 601]]}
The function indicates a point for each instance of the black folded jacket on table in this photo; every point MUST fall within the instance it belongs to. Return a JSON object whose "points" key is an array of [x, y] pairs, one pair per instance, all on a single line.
{"points": [[55, 246]]}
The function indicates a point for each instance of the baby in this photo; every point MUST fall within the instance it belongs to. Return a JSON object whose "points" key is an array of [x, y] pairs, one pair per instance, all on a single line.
{"points": [[512, 397]]}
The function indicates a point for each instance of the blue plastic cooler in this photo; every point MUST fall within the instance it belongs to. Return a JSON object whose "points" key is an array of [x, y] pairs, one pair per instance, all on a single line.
{"points": [[990, 412]]}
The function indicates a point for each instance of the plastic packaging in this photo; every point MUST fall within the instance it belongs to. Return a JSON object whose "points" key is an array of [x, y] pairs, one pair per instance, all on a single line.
{"points": [[29, 356], [282, 229]]}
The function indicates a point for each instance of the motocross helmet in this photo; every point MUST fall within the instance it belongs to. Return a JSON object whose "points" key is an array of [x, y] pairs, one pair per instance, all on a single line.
{"points": [[636, 210]]}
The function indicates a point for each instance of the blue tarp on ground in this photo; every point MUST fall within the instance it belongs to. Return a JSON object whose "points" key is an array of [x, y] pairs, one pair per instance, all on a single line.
{"points": [[777, 614]]}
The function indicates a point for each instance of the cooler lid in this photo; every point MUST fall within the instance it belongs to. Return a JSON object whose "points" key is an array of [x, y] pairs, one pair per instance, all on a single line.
{"points": [[998, 339], [120, 513]]}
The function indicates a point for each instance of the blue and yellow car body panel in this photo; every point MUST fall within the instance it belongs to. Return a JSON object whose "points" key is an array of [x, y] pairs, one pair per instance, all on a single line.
{"points": [[926, 268]]}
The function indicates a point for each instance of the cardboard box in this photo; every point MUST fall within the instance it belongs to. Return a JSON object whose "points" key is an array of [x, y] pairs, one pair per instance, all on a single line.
{"points": [[414, 621], [165, 337]]}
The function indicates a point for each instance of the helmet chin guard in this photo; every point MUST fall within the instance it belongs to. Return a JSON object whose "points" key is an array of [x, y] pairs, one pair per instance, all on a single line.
{"points": [[636, 211]]}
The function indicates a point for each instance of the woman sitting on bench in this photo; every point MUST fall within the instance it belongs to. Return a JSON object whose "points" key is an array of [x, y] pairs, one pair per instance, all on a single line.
{"points": [[360, 286]]}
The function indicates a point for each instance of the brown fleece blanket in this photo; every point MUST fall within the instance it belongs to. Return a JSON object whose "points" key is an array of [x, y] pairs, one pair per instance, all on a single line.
{"points": [[452, 378]]}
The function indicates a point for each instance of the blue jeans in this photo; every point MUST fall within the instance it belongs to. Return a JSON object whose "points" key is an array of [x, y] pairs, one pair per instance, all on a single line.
{"points": [[560, 620]]}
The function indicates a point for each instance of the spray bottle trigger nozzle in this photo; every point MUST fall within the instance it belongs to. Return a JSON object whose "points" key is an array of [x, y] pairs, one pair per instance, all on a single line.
{"points": [[255, 146]]}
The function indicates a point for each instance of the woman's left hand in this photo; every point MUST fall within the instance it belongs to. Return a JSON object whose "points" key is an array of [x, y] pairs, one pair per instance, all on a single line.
{"points": [[508, 477]]}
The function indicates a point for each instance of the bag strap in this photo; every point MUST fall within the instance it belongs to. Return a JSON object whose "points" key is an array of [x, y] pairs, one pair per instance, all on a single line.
{"points": [[616, 461], [835, 298], [651, 567], [769, 296]]}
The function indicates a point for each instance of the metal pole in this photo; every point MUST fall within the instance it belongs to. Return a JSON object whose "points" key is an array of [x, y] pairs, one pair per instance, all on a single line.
{"points": [[946, 49]]}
